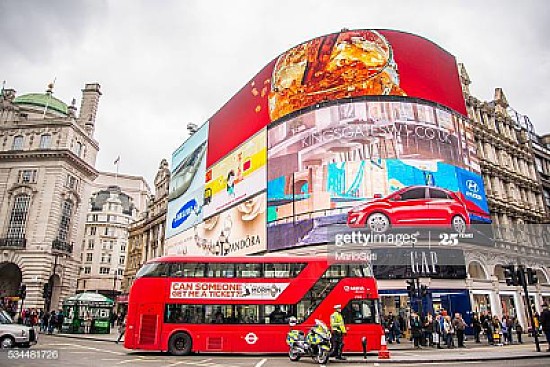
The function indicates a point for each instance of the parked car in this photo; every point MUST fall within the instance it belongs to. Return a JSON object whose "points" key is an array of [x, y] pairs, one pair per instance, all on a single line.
{"points": [[413, 206], [15, 335]]}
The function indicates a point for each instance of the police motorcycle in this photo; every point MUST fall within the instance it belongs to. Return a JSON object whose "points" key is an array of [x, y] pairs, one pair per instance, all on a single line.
{"points": [[315, 344]]}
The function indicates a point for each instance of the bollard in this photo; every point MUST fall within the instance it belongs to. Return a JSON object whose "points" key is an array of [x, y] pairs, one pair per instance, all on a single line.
{"points": [[364, 343]]}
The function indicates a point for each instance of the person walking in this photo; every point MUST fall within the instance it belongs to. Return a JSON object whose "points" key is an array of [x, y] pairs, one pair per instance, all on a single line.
{"points": [[460, 326], [338, 331], [52, 322], [518, 328], [59, 320], [121, 330], [416, 329], [396, 330], [448, 332], [476, 326], [45, 320], [545, 323]]}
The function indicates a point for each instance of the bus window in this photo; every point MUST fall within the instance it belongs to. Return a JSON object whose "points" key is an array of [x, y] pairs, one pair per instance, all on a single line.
{"points": [[218, 314], [359, 270], [216, 270], [249, 270], [153, 270], [360, 312], [277, 314], [188, 270], [247, 314], [336, 271], [184, 314], [280, 270]]}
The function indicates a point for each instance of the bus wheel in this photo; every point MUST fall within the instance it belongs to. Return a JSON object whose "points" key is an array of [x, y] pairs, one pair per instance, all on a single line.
{"points": [[180, 344]]}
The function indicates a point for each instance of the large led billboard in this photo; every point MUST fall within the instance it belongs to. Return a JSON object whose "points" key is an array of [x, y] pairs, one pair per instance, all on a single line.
{"points": [[237, 231], [373, 165], [185, 198], [341, 65]]}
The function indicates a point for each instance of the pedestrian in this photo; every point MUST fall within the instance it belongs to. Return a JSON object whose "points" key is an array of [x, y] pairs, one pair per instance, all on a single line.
{"points": [[60, 319], [416, 329], [518, 328], [476, 326], [338, 331], [488, 327], [459, 326], [428, 329], [52, 322], [510, 327], [497, 331], [113, 319], [45, 320], [121, 330], [396, 330], [437, 331], [504, 328], [87, 322], [448, 332], [545, 323]]}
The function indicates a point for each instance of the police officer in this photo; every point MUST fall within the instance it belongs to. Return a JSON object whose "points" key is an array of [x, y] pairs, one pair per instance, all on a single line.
{"points": [[338, 331]]}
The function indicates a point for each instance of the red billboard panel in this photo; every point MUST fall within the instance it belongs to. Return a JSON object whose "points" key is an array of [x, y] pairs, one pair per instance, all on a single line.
{"points": [[336, 66]]}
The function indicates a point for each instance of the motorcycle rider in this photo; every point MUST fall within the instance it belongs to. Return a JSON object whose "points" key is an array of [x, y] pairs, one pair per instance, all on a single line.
{"points": [[338, 331]]}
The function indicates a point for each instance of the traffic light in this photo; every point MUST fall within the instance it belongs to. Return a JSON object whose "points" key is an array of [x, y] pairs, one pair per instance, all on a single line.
{"points": [[46, 291], [423, 290], [510, 275], [23, 291], [411, 288], [532, 276]]}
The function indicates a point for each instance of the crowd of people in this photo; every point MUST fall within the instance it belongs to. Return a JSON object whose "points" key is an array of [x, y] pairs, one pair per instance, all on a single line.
{"points": [[47, 322], [441, 330]]}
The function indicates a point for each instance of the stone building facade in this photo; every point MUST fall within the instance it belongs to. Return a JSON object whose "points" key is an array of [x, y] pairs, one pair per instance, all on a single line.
{"points": [[514, 188], [47, 163], [146, 235], [117, 200]]}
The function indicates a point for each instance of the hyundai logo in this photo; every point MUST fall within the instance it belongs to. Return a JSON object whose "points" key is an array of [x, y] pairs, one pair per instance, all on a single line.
{"points": [[472, 185]]}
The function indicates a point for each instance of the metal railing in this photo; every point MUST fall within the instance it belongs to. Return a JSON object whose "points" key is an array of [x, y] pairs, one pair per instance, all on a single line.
{"points": [[13, 242], [62, 246]]}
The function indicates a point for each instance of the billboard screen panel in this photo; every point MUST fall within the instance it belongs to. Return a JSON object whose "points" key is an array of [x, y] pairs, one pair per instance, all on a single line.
{"points": [[237, 231], [185, 198], [237, 176], [335, 168], [347, 64]]}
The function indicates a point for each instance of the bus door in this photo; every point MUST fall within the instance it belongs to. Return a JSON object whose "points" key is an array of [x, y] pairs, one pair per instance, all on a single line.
{"points": [[148, 325]]}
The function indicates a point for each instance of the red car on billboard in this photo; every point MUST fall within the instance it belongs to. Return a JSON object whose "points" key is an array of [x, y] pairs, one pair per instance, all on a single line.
{"points": [[412, 206]]}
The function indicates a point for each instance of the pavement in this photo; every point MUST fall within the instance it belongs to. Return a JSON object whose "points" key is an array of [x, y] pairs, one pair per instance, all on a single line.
{"points": [[405, 352]]}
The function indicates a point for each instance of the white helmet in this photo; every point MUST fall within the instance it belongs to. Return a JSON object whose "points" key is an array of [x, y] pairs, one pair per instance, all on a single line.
{"points": [[292, 321]]}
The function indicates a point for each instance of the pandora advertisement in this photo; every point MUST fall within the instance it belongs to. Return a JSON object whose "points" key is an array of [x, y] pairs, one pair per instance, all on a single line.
{"points": [[237, 231], [185, 198], [380, 167], [337, 66]]}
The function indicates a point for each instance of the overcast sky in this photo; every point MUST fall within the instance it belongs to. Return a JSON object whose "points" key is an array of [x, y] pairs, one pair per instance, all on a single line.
{"points": [[162, 64]]}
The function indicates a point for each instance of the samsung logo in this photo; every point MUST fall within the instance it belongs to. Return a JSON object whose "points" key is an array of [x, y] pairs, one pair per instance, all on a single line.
{"points": [[185, 211]]}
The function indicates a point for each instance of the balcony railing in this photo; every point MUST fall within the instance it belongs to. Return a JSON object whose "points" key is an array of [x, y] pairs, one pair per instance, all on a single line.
{"points": [[13, 242], [62, 246]]}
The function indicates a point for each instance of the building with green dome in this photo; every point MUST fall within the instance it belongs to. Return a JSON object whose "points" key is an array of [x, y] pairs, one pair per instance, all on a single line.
{"points": [[47, 164]]}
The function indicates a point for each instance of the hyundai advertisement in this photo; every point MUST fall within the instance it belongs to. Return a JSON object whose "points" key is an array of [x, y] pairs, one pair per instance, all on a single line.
{"points": [[374, 166], [185, 198]]}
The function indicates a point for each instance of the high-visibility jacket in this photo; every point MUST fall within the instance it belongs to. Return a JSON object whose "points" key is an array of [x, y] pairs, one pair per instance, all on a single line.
{"points": [[337, 322]]}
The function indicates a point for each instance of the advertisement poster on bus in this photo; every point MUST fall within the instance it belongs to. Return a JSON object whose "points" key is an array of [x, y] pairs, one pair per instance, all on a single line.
{"points": [[236, 177], [375, 165], [346, 64], [237, 231], [226, 291], [185, 199]]}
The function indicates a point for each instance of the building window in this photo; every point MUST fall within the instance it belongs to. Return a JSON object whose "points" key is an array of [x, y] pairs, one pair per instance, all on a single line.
{"points": [[27, 176], [90, 244], [94, 218], [78, 149], [538, 163], [104, 270], [93, 231], [65, 224], [546, 194], [121, 260], [72, 182], [45, 141], [18, 217], [17, 142], [109, 258], [120, 272], [87, 270], [89, 256]]}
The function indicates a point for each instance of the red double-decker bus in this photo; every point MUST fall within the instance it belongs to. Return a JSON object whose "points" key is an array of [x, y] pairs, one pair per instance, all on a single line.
{"points": [[242, 304]]}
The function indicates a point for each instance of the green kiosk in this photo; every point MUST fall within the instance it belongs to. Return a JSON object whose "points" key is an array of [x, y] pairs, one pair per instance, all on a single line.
{"points": [[87, 313]]}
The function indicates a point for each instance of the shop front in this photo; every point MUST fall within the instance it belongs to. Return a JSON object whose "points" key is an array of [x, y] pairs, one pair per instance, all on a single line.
{"points": [[481, 302]]}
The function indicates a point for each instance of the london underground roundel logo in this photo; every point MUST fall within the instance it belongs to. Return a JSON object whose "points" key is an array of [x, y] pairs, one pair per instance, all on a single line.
{"points": [[251, 338]]}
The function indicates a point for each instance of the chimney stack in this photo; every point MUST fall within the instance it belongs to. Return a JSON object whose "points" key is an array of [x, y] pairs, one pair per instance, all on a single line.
{"points": [[88, 107]]}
